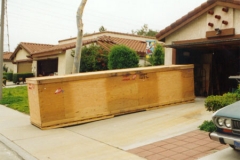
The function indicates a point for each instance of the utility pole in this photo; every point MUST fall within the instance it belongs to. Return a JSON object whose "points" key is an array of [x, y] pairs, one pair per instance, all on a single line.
{"points": [[1, 45], [77, 57]]}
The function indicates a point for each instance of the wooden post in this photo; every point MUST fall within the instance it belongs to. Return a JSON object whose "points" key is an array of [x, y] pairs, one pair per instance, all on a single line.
{"points": [[174, 56]]}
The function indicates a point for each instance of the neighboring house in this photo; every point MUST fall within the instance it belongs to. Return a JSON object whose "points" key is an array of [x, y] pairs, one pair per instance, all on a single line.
{"points": [[7, 62], [21, 57], [209, 38], [59, 60]]}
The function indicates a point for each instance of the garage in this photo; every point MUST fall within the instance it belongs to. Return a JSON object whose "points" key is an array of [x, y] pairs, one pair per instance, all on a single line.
{"points": [[208, 37], [213, 65], [48, 67], [24, 67]]}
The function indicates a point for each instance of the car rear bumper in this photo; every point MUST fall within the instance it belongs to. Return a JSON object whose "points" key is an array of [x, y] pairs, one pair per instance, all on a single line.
{"points": [[224, 138]]}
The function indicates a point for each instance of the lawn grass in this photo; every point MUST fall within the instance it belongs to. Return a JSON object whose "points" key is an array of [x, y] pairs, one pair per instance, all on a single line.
{"points": [[16, 98]]}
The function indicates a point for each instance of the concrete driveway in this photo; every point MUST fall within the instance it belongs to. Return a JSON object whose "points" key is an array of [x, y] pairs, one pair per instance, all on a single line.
{"points": [[105, 139]]}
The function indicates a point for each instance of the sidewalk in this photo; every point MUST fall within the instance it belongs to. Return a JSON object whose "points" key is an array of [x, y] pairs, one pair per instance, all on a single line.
{"points": [[11, 84], [189, 146], [108, 139]]}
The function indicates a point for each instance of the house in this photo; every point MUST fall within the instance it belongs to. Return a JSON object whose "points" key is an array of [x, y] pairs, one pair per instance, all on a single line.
{"points": [[21, 57], [209, 38], [58, 59], [7, 62]]}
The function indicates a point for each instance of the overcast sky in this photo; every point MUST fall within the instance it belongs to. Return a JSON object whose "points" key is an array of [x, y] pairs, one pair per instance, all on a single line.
{"points": [[48, 21]]}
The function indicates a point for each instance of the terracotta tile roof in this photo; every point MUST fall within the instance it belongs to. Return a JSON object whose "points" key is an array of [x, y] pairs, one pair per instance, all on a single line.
{"points": [[63, 47], [105, 41], [35, 47], [7, 56], [31, 48], [138, 46], [203, 8], [105, 32]]}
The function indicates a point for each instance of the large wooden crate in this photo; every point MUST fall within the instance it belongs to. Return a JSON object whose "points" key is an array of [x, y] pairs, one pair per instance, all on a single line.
{"points": [[59, 101]]}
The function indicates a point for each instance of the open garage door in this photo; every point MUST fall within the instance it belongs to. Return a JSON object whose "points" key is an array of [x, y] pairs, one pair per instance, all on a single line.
{"points": [[24, 67], [212, 68], [47, 67]]}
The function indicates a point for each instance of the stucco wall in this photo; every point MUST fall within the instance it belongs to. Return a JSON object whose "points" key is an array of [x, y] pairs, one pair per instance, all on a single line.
{"points": [[197, 28], [9, 65], [34, 68], [21, 55], [168, 56], [69, 61], [61, 64], [237, 21], [14, 68], [194, 30], [224, 16]]}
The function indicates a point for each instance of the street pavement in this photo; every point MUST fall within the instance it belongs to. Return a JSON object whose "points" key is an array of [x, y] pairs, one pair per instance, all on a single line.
{"points": [[7, 153], [226, 154], [108, 139]]}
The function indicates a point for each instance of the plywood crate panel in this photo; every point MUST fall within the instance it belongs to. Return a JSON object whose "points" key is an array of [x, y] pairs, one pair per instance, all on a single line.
{"points": [[58, 101]]}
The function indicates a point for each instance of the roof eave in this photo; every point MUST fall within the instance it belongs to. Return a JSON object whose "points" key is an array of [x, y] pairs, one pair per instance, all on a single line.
{"points": [[175, 26], [47, 54]]}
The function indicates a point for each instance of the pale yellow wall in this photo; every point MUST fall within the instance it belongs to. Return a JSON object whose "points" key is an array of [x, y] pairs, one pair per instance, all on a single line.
{"points": [[194, 30], [69, 61], [61, 64], [224, 16], [168, 56], [9, 65], [237, 21], [197, 29], [14, 68], [34, 68], [21, 55]]}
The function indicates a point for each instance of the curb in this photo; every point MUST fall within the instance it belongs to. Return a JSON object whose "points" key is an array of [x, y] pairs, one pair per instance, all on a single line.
{"points": [[15, 148]]}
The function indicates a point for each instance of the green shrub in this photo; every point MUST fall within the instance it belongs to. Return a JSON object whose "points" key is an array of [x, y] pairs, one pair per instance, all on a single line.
{"points": [[237, 91], [23, 76], [158, 55], [207, 126], [214, 103], [9, 76], [121, 56], [93, 58]]}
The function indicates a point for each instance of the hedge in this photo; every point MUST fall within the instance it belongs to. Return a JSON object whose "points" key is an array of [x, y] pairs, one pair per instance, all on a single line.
{"points": [[214, 103], [121, 56], [8, 75], [22, 76]]}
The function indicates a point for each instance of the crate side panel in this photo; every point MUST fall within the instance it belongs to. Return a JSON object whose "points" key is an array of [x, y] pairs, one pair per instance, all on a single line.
{"points": [[34, 104], [85, 99]]}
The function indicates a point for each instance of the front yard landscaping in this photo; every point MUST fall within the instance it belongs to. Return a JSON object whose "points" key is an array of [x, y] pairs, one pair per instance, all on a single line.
{"points": [[16, 98]]}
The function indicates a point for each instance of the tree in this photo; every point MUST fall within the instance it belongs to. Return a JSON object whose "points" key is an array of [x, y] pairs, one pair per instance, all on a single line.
{"points": [[121, 56], [158, 55], [101, 61], [94, 58], [145, 31], [77, 57], [102, 29]]}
